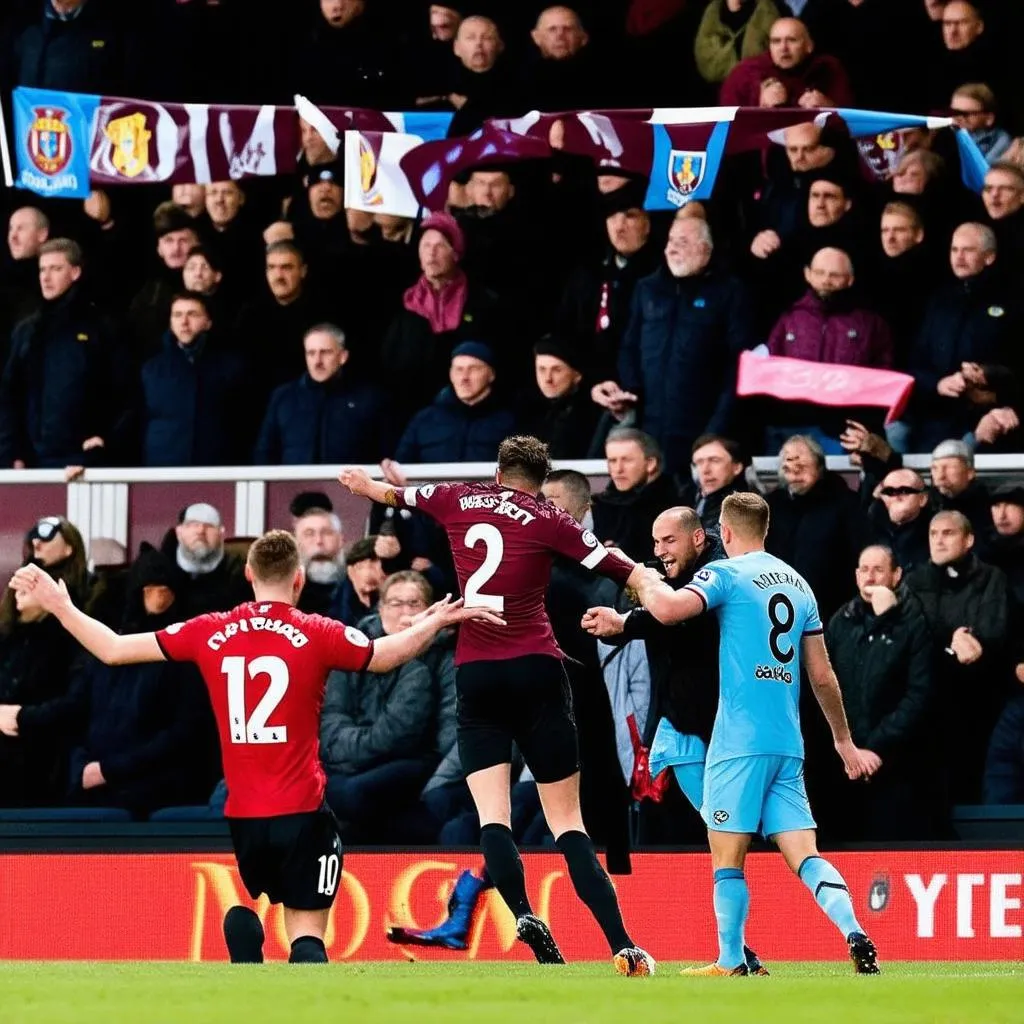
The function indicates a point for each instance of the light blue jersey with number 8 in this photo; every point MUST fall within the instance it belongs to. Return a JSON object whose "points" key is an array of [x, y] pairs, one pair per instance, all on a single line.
{"points": [[764, 610]]}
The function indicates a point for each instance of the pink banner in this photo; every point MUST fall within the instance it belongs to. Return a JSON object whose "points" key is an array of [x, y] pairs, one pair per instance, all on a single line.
{"points": [[799, 380]]}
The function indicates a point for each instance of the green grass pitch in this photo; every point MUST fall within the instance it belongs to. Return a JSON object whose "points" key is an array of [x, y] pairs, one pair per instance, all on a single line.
{"points": [[496, 993]]}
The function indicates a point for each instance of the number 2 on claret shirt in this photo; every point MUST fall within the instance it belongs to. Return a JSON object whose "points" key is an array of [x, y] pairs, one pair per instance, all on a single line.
{"points": [[494, 548], [255, 729]]}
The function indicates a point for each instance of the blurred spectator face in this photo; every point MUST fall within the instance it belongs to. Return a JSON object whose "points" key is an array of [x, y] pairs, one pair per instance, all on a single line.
{"points": [[910, 177], [961, 25], [628, 467], [554, 376], [324, 356], [325, 199], [393, 228], [970, 113], [804, 149], [966, 254], [1002, 193], [875, 569], [202, 541], [904, 496], [492, 190], [339, 13], [559, 34], [25, 233], [401, 601], [826, 204], [471, 379], [366, 578], [444, 22], [50, 546], [1008, 518], [199, 276], [628, 231], [173, 248], [946, 541], [789, 43], [157, 598], [29, 608], [188, 320], [565, 498], [191, 198], [56, 275], [934, 8], [320, 543], [687, 252], [673, 545], [279, 231], [830, 272], [610, 182], [478, 44], [314, 149], [223, 201], [437, 257], [285, 274], [715, 467], [799, 467], [899, 234], [951, 477]]}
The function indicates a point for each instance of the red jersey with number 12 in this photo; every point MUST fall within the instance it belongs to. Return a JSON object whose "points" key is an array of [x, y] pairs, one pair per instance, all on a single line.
{"points": [[265, 664], [503, 542]]}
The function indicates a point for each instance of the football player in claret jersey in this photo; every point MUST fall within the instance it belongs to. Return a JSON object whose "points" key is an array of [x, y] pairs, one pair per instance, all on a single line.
{"points": [[266, 664], [754, 781], [510, 682]]}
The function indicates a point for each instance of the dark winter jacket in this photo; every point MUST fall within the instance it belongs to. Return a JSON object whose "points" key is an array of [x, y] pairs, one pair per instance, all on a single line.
{"points": [[336, 421], [625, 518], [372, 718], [709, 506], [833, 331], [679, 356], [567, 424], [1004, 767], [451, 431], [884, 667]]}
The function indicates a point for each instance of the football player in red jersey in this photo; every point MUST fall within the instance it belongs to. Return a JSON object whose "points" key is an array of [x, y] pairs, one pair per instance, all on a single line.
{"points": [[266, 664], [510, 682]]}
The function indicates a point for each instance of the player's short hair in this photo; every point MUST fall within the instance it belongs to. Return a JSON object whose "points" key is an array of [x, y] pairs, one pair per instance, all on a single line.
{"points": [[650, 447], [573, 481], [67, 247], [734, 448], [408, 576], [274, 557], [959, 518], [893, 564], [524, 457], [746, 513]]}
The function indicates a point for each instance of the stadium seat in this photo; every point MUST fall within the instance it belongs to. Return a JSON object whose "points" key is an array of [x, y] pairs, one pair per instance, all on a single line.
{"points": [[200, 812], [977, 822], [64, 814], [238, 545]]}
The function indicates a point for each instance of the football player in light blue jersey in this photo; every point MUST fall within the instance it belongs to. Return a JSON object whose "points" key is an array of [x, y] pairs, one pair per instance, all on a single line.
{"points": [[754, 781]]}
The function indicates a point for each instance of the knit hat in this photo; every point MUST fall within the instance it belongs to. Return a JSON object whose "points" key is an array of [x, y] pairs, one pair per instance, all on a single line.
{"points": [[1011, 493], [151, 569], [560, 348], [954, 450], [168, 218], [476, 349], [306, 500], [448, 226]]}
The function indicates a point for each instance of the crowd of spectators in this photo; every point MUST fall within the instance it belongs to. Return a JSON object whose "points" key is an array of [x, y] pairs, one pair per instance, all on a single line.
{"points": [[263, 322]]}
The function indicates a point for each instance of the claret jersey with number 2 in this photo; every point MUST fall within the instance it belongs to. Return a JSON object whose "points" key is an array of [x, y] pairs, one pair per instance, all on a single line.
{"points": [[265, 664], [504, 542], [765, 608]]}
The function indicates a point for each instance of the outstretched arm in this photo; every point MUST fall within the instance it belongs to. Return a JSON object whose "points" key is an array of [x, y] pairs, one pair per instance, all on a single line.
{"points": [[664, 603], [358, 482], [94, 636]]}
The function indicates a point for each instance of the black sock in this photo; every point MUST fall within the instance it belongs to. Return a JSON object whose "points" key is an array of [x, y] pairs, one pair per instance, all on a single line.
{"points": [[594, 887], [505, 867], [307, 949]]}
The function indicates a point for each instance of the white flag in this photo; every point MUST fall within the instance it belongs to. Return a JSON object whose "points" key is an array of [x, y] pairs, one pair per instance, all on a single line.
{"points": [[374, 181]]}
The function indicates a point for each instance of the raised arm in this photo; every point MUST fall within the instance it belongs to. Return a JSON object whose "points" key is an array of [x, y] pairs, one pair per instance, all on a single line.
{"points": [[111, 648], [358, 482], [664, 603]]}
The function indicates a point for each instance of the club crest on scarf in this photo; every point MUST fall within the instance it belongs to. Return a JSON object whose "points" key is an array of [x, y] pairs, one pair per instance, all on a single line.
{"points": [[685, 173], [49, 140], [369, 165], [130, 139]]}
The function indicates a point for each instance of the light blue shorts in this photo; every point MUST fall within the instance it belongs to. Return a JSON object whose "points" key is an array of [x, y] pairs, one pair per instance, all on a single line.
{"points": [[691, 781], [762, 793]]}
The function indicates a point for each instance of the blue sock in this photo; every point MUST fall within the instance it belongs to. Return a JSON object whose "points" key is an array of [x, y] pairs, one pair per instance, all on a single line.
{"points": [[732, 901], [831, 893]]}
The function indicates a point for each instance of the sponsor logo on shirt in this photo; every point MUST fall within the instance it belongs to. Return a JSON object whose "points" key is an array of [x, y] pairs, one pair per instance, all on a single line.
{"points": [[354, 637], [589, 539], [174, 628], [258, 624], [774, 673]]}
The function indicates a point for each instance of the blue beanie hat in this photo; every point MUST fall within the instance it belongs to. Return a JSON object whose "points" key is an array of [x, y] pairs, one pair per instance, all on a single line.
{"points": [[476, 349]]}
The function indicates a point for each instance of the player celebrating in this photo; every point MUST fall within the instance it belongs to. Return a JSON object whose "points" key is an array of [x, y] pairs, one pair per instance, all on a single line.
{"points": [[754, 779], [510, 682], [266, 664]]}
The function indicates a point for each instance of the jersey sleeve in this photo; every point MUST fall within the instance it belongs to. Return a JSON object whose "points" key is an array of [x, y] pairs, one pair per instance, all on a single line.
{"points": [[570, 539], [812, 624], [182, 641], [437, 500], [712, 584], [346, 647]]}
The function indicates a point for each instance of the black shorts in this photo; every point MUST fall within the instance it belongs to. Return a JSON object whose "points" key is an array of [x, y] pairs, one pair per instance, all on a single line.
{"points": [[523, 700], [294, 858]]}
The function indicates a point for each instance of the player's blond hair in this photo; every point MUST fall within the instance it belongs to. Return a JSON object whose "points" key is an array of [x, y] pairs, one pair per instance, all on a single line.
{"points": [[746, 513], [274, 557]]}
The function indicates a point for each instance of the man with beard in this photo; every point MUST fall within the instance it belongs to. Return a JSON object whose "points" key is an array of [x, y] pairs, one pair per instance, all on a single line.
{"points": [[320, 539], [214, 580]]}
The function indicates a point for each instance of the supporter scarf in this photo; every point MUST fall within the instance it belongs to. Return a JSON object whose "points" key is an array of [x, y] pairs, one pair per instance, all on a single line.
{"points": [[441, 308]]}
